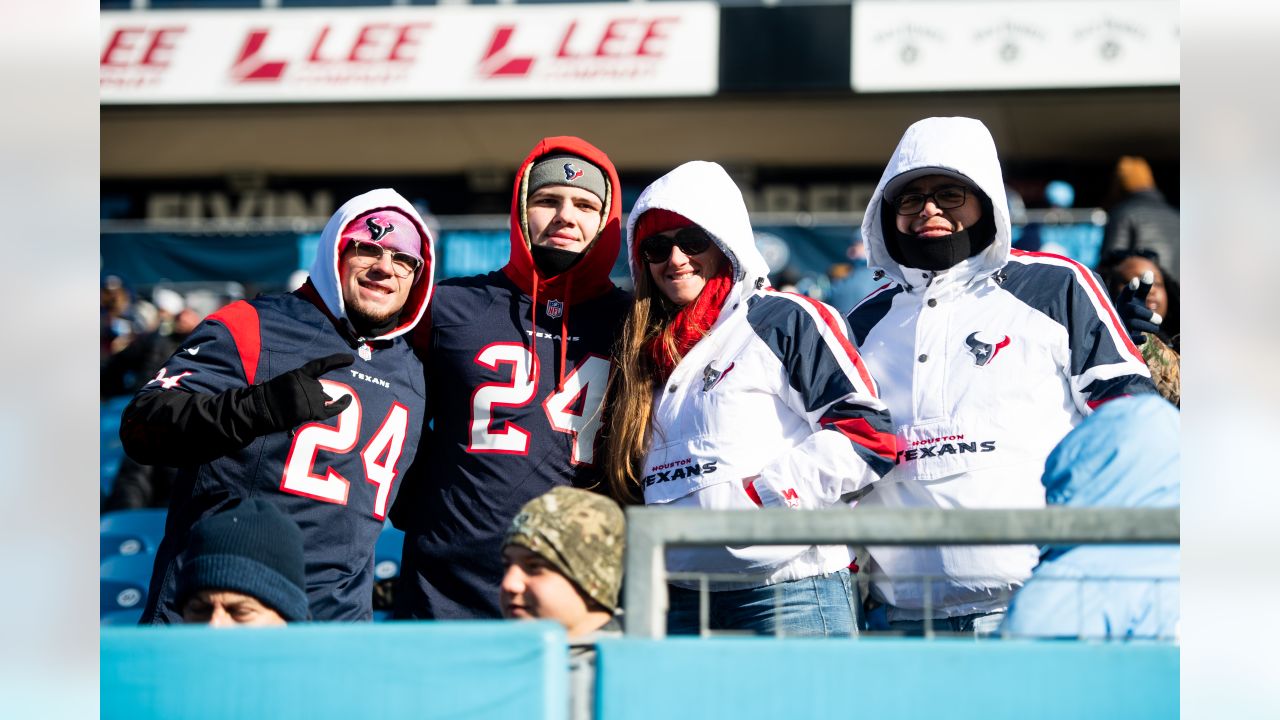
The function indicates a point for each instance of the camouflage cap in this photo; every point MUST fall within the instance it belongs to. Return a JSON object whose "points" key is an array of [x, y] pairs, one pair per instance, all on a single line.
{"points": [[581, 533]]}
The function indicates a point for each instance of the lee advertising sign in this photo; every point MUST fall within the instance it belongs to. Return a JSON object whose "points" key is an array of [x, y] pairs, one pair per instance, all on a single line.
{"points": [[437, 53], [913, 45]]}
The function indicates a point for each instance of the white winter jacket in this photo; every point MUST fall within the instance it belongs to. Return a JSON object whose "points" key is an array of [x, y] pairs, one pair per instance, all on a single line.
{"points": [[775, 389], [985, 367]]}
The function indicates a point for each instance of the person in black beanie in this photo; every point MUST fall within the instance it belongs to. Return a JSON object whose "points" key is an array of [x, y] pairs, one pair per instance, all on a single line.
{"points": [[244, 566]]}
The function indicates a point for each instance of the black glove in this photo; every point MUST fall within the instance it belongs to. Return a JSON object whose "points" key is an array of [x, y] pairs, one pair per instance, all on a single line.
{"points": [[297, 397], [1134, 313]]}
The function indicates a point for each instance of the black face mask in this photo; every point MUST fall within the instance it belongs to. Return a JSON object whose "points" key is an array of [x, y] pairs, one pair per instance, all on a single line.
{"points": [[552, 261], [940, 253], [365, 327]]}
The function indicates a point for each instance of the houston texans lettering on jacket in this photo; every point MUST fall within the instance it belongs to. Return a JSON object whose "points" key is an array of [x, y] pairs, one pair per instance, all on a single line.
{"points": [[517, 366], [985, 366], [684, 469], [335, 478]]}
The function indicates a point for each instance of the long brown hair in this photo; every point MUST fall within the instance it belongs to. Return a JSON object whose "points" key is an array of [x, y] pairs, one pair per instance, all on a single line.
{"points": [[629, 401]]}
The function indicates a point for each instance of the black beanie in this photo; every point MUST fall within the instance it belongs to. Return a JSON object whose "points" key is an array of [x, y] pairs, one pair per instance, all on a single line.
{"points": [[252, 549]]}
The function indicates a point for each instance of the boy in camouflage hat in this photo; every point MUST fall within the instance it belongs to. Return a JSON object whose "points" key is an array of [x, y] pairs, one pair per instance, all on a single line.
{"points": [[564, 561]]}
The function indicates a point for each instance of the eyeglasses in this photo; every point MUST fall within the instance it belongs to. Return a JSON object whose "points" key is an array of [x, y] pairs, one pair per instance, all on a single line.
{"points": [[945, 198], [368, 254], [657, 248]]}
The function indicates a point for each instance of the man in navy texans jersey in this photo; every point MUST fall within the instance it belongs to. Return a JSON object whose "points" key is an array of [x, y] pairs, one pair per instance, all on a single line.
{"points": [[311, 400], [516, 363]]}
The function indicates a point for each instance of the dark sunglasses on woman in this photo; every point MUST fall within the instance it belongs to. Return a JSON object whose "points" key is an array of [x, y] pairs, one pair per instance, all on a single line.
{"points": [[691, 241]]}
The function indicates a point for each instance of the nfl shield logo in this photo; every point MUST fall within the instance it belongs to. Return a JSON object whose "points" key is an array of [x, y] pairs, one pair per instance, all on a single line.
{"points": [[555, 308]]}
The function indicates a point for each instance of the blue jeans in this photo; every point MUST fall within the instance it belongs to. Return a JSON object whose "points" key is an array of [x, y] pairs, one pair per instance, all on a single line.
{"points": [[977, 625], [816, 606]]}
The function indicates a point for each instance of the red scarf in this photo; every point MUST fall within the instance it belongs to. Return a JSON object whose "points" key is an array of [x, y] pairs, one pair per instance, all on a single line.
{"points": [[692, 322]]}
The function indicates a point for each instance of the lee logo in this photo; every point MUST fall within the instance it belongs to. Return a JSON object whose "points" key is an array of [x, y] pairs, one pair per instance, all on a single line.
{"points": [[627, 38], [141, 46], [334, 54]]}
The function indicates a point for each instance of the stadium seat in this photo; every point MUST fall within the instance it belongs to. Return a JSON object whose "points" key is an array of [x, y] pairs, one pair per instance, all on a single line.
{"points": [[386, 554], [111, 452], [123, 584], [122, 617], [129, 532]]}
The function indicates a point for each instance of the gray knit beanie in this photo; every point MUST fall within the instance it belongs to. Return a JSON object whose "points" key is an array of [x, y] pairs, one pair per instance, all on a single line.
{"points": [[571, 170], [253, 549]]}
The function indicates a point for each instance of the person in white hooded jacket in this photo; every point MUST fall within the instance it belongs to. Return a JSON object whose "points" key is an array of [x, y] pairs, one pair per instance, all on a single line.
{"points": [[730, 395], [987, 357]]}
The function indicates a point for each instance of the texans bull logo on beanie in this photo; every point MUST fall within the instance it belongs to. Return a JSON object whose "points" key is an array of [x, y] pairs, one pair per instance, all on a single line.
{"points": [[569, 170], [389, 228]]}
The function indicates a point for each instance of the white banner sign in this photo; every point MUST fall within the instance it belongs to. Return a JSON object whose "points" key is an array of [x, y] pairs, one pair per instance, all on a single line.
{"points": [[435, 53], [912, 45]]}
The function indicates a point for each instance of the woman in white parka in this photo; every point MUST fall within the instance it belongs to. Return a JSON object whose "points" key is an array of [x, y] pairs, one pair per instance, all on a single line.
{"points": [[730, 395]]}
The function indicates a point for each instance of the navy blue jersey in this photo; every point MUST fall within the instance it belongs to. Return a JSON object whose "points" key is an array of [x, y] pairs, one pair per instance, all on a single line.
{"points": [[501, 436], [336, 479]]}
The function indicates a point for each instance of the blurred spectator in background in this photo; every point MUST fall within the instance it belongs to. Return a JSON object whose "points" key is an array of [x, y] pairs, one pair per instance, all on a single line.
{"points": [[1125, 455], [852, 281], [1060, 232], [516, 368], [244, 566], [563, 553], [986, 357], [138, 362], [121, 317], [1141, 218], [311, 400], [1017, 214]]}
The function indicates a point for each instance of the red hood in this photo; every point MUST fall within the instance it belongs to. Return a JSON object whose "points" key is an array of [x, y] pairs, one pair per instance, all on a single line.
{"points": [[588, 278]]}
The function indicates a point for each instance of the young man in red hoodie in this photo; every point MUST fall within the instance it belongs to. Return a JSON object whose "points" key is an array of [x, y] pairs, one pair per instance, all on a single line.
{"points": [[516, 363]]}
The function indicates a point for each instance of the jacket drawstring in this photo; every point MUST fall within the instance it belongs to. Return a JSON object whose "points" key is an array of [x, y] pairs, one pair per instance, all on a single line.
{"points": [[564, 334], [533, 336]]}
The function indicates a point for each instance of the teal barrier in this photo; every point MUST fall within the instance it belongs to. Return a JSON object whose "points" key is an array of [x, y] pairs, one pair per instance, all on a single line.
{"points": [[885, 679], [386, 671]]}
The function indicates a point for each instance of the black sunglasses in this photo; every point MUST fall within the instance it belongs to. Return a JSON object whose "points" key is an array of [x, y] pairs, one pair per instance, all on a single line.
{"points": [[691, 241]]}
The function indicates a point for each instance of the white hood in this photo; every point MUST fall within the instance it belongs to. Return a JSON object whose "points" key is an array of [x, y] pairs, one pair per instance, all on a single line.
{"points": [[959, 144], [703, 192], [324, 271]]}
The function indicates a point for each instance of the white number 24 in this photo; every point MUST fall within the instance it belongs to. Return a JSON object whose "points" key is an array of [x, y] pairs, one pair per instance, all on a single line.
{"points": [[584, 389], [379, 454]]}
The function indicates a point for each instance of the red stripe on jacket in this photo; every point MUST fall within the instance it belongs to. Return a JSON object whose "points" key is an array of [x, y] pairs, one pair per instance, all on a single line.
{"points": [[860, 431], [1089, 282], [848, 347], [241, 320]]}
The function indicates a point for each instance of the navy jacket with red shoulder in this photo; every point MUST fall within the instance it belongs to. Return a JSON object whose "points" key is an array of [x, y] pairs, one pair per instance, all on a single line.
{"points": [[336, 479]]}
